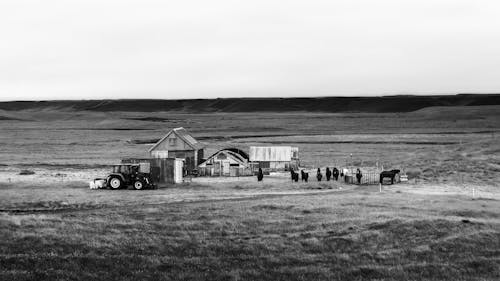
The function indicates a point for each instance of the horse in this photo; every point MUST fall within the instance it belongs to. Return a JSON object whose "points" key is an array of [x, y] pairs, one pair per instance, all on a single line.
{"points": [[359, 175], [294, 175], [305, 175], [319, 176], [335, 173], [388, 174], [328, 174], [260, 175]]}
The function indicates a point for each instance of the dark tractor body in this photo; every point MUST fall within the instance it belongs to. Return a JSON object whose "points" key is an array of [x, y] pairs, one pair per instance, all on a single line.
{"points": [[125, 175]]}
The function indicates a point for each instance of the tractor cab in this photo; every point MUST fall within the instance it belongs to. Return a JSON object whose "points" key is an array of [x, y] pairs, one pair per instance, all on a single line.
{"points": [[126, 169]]}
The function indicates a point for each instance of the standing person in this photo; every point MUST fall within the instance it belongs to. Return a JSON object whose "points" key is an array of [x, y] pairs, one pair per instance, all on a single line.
{"points": [[260, 175], [328, 174], [359, 175], [319, 176]]}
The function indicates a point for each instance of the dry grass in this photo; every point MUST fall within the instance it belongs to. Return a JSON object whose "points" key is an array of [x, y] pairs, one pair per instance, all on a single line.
{"points": [[54, 228], [433, 146], [356, 234]]}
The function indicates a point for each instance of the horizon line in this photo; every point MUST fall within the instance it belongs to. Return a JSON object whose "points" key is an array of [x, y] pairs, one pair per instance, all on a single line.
{"points": [[268, 98]]}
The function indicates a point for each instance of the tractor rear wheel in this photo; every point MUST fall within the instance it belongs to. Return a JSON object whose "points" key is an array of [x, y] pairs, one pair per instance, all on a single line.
{"points": [[115, 183], [138, 185]]}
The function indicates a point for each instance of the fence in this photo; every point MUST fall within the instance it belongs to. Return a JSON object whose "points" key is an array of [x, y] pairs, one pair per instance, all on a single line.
{"points": [[231, 172], [367, 178]]}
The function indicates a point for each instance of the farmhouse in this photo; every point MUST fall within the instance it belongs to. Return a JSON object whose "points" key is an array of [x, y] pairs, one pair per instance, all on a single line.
{"points": [[275, 158], [231, 162], [178, 143]]}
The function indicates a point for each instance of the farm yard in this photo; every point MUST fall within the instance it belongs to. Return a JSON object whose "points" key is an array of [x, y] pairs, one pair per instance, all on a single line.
{"points": [[431, 228]]}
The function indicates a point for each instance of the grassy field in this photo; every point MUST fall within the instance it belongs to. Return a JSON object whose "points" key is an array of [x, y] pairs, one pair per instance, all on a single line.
{"points": [[54, 228], [328, 234]]}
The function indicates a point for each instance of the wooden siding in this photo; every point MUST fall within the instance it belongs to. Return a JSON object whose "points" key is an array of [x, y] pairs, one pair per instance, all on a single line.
{"points": [[166, 170]]}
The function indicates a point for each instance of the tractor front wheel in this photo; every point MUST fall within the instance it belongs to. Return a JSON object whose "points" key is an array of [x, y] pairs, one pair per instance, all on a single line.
{"points": [[115, 183], [138, 185]]}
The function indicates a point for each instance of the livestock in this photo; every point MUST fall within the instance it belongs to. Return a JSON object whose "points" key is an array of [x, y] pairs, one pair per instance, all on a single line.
{"points": [[319, 176], [260, 175], [389, 174], [305, 175], [328, 174], [335, 173], [359, 175], [294, 175]]}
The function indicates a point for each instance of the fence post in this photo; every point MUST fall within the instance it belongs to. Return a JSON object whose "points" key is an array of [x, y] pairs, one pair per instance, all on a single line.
{"points": [[380, 187]]}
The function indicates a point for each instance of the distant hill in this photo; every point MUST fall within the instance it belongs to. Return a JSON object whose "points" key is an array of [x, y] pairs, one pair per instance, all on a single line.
{"points": [[320, 104]]}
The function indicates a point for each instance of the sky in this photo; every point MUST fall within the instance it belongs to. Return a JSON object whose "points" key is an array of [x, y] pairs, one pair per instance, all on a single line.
{"points": [[208, 49]]}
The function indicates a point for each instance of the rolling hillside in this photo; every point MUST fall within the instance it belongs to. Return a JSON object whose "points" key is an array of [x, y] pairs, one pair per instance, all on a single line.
{"points": [[320, 104]]}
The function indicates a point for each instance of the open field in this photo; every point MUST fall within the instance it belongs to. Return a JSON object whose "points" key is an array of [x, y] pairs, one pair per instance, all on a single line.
{"points": [[249, 232], [55, 228]]}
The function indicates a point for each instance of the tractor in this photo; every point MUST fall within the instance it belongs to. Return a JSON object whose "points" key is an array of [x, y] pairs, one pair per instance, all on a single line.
{"points": [[124, 175]]}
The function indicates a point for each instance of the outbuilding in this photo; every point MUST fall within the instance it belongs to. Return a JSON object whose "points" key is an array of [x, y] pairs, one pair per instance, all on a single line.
{"points": [[178, 143], [275, 158], [230, 162], [162, 170]]}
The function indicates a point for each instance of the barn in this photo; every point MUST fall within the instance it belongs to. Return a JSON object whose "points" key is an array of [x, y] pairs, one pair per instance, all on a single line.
{"points": [[231, 162], [178, 143], [275, 158]]}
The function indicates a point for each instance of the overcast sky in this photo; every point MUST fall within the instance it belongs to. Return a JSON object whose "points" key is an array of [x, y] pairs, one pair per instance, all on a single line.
{"points": [[206, 49]]}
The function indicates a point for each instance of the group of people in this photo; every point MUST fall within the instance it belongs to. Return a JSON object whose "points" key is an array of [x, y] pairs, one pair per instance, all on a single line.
{"points": [[332, 174]]}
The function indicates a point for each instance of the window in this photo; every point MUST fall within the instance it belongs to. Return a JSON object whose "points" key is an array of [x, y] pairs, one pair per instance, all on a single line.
{"points": [[172, 141]]}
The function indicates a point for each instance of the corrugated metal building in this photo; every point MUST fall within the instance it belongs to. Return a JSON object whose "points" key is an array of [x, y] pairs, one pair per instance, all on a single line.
{"points": [[178, 143], [275, 158], [229, 162]]}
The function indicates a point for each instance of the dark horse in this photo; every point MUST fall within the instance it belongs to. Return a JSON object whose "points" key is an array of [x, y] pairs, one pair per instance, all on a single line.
{"points": [[319, 176], [328, 174], [335, 173], [304, 175], [260, 175], [359, 175], [388, 174], [294, 175]]}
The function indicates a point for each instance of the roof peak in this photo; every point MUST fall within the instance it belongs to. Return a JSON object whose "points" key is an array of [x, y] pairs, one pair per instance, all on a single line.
{"points": [[183, 134]]}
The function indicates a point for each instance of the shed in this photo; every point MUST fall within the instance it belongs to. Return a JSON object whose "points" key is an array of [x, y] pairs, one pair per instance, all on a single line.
{"points": [[231, 162], [275, 158], [163, 170], [178, 143]]}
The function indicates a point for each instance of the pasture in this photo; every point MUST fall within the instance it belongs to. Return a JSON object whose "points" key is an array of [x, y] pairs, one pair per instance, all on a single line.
{"points": [[55, 228]]}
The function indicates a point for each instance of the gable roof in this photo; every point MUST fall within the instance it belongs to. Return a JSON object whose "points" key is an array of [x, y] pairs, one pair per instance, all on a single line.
{"points": [[182, 134]]}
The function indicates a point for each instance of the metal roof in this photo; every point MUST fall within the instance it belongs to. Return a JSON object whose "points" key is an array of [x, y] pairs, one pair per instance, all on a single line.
{"points": [[236, 153]]}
